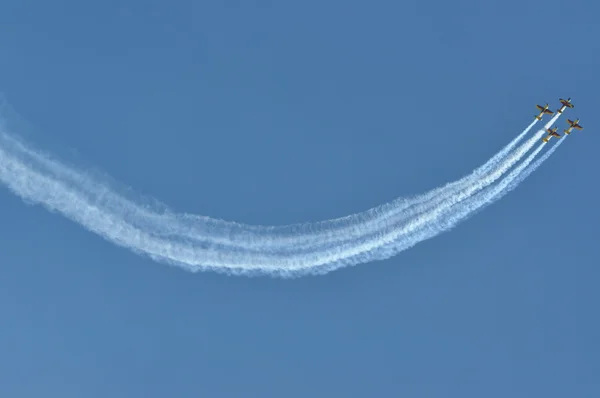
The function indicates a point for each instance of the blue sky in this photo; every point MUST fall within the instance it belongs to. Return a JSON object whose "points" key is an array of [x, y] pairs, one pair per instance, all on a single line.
{"points": [[281, 112]]}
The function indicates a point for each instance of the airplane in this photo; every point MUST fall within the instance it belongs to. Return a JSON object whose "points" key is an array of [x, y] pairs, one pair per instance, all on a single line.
{"points": [[543, 109], [551, 133], [573, 124], [566, 103]]}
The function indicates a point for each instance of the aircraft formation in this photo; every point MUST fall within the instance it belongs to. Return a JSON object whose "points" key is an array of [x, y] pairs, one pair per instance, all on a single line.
{"points": [[573, 124]]}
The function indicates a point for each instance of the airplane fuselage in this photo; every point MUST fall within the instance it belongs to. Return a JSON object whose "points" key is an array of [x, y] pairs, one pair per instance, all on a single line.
{"points": [[565, 104], [549, 137]]}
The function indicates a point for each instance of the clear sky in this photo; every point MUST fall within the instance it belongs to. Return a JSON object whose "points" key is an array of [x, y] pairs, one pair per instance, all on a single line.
{"points": [[277, 112]]}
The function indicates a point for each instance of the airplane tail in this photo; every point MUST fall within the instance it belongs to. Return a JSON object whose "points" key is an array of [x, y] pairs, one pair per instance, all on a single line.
{"points": [[567, 132]]}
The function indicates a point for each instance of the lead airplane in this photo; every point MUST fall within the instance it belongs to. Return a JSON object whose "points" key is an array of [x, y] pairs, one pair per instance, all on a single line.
{"points": [[543, 109], [566, 103], [551, 133], [573, 124]]}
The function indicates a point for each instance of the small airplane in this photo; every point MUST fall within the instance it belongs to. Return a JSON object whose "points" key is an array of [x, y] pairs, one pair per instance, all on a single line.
{"points": [[543, 109], [566, 103], [573, 124], [551, 133]]}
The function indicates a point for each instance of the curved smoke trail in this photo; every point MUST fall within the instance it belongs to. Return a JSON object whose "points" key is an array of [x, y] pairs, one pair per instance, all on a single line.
{"points": [[446, 219], [529, 170], [305, 236], [232, 247], [494, 193]]}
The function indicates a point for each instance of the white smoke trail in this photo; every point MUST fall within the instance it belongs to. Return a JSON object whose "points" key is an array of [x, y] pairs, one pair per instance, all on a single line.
{"points": [[452, 215], [401, 209], [521, 176], [431, 223], [37, 185], [40, 179], [333, 232], [533, 167], [168, 224], [518, 179], [492, 194], [487, 197]]}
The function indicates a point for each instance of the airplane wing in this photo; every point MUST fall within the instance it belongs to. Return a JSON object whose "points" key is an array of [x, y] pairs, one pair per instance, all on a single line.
{"points": [[548, 111], [541, 108], [567, 103], [578, 127]]}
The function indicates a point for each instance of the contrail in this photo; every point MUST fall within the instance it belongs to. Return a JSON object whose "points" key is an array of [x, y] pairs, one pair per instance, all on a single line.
{"points": [[494, 193], [452, 215], [329, 232], [450, 200], [38, 178], [518, 179], [371, 221], [194, 228], [533, 167], [306, 235]]}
